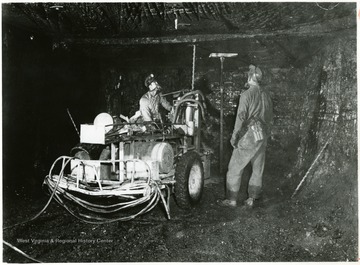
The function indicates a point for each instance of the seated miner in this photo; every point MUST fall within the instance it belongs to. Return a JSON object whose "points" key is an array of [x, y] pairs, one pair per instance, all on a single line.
{"points": [[151, 101]]}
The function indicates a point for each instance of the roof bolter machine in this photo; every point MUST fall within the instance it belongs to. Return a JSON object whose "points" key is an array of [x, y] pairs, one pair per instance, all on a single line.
{"points": [[121, 170]]}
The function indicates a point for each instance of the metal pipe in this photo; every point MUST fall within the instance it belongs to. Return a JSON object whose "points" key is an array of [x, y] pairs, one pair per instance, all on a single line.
{"points": [[312, 165], [198, 131], [72, 120], [221, 114], [222, 57], [193, 67]]}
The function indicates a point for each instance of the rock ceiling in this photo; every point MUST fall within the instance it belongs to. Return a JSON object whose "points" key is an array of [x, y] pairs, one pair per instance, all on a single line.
{"points": [[118, 27]]}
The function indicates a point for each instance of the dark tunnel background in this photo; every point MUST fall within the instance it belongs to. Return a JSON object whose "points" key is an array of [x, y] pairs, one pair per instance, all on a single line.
{"points": [[39, 85]]}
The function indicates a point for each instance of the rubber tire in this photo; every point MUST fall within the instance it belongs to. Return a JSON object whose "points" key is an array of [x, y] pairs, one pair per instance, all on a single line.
{"points": [[183, 197]]}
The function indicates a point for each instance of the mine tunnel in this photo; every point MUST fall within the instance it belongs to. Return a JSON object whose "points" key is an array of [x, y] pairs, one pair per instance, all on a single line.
{"points": [[64, 63]]}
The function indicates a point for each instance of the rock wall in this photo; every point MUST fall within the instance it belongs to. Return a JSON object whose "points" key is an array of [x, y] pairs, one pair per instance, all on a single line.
{"points": [[327, 156], [329, 111]]}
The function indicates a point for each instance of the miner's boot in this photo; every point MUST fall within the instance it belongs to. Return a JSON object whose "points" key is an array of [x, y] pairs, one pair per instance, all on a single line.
{"points": [[249, 203], [230, 201]]}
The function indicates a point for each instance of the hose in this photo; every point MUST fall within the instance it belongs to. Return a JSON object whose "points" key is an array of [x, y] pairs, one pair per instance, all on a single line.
{"points": [[152, 197], [20, 251], [184, 99], [78, 148], [193, 93], [87, 219], [173, 92], [33, 218], [46, 205], [99, 208]]}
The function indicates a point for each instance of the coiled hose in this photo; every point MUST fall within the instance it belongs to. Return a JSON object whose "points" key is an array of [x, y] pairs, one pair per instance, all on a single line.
{"points": [[152, 198]]}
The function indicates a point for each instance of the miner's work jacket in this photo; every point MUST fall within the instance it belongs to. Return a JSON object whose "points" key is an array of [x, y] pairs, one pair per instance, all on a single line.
{"points": [[149, 106], [255, 105]]}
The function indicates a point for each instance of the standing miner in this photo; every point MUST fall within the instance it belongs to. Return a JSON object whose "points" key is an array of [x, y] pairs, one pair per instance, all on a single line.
{"points": [[252, 128]]}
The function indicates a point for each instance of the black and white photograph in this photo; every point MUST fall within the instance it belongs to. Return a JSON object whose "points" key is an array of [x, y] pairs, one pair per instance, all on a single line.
{"points": [[179, 131]]}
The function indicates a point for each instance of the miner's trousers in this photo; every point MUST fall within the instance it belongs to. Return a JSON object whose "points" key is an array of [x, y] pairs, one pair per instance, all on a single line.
{"points": [[238, 161]]}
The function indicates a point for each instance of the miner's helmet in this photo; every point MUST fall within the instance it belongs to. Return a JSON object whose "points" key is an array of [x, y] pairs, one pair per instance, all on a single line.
{"points": [[149, 80], [255, 71]]}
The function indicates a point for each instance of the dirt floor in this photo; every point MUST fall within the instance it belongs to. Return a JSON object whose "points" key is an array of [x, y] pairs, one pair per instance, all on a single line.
{"points": [[278, 229]]}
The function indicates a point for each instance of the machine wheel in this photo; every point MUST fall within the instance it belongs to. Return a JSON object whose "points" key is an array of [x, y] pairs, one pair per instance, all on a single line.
{"points": [[189, 176]]}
